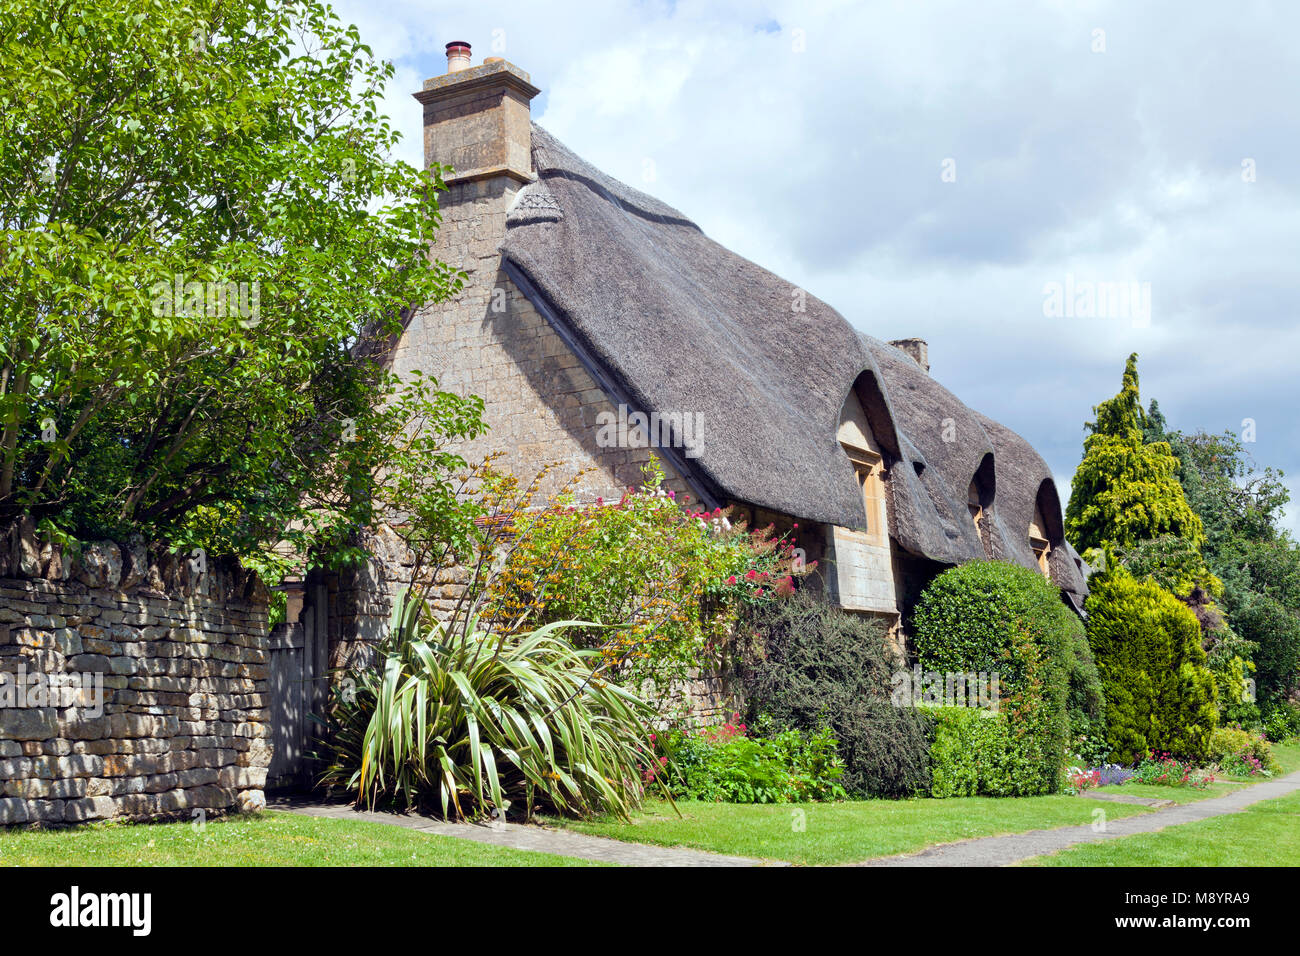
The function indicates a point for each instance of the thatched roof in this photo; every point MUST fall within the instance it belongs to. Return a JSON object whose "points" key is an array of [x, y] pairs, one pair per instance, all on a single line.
{"points": [[677, 323]]}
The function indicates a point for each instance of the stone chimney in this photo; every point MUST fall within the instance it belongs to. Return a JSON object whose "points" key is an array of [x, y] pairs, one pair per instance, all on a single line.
{"points": [[917, 349], [476, 119]]}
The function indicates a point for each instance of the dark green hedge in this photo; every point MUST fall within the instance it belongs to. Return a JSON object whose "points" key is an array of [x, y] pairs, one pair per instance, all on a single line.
{"points": [[819, 666]]}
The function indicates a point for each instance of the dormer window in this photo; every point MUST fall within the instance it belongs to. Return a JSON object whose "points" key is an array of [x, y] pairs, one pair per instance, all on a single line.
{"points": [[870, 472], [979, 502], [1038, 541], [1042, 550], [974, 507], [860, 445]]}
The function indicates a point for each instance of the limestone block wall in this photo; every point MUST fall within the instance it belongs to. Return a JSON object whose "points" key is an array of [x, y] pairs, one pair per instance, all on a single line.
{"points": [[701, 700], [132, 684], [541, 405], [863, 571]]}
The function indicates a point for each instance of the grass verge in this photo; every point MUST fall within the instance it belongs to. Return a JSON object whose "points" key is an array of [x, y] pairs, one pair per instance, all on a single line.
{"points": [[848, 832], [1266, 834], [269, 839]]}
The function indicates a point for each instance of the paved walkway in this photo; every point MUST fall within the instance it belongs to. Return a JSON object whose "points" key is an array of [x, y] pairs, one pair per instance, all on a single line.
{"points": [[1014, 847], [983, 851], [529, 837]]}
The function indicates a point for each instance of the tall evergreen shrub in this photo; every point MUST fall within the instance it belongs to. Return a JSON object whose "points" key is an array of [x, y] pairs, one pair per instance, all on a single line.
{"points": [[1159, 693]]}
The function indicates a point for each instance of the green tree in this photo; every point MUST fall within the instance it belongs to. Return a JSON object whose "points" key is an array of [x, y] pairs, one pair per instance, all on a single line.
{"points": [[1241, 508], [1159, 693], [1126, 490], [199, 226]]}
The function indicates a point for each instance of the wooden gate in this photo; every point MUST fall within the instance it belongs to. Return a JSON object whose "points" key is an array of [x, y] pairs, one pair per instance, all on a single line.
{"points": [[298, 678]]}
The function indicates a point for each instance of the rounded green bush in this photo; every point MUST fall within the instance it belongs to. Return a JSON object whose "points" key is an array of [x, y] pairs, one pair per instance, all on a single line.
{"points": [[1227, 741], [980, 616]]}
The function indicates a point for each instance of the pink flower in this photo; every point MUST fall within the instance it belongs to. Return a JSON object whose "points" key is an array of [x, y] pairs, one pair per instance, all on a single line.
{"points": [[751, 574], [731, 580]]}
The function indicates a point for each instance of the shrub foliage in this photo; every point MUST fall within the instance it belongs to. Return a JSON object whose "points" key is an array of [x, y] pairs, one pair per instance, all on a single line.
{"points": [[467, 722], [665, 582], [979, 753], [1001, 618], [817, 666], [727, 765], [1160, 696]]}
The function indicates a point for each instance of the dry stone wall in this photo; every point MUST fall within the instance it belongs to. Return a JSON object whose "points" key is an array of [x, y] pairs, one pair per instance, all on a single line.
{"points": [[132, 684]]}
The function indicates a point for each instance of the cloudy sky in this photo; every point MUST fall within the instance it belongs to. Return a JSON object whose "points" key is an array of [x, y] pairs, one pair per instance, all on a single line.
{"points": [[940, 169]]}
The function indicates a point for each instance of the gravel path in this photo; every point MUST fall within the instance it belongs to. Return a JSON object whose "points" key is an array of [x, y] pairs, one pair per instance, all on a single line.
{"points": [[528, 837], [1012, 848]]}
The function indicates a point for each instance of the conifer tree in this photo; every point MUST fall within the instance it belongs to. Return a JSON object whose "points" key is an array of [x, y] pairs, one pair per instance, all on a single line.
{"points": [[1125, 490]]}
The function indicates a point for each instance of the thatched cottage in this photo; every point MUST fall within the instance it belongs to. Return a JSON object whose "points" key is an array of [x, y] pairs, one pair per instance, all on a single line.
{"points": [[592, 308]]}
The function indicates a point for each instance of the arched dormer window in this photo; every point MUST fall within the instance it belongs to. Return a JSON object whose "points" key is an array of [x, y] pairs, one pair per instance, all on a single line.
{"points": [[1045, 531], [979, 499], [1039, 541], [859, 443]]}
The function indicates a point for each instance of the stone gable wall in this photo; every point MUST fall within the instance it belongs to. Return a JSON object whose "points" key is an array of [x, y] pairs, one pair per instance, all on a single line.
{"points": [[182, 721], [541, 404]]}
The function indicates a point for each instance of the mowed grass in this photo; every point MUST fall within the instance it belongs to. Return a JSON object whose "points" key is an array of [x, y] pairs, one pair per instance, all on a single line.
{"points": [[848, 832], [1266, 834], [269, 839]]}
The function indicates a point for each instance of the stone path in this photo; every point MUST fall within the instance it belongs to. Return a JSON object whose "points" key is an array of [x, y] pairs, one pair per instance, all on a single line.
{"points": [[1012, 848], [528, 837]]}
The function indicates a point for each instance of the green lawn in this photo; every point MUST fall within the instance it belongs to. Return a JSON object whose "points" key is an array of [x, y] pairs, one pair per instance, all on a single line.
{"points": [[270, 839], [845, 832], [1266, 834]]}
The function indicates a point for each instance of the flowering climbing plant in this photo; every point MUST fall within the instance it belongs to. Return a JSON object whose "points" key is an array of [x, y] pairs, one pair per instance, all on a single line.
{"points": [[662, 581]]}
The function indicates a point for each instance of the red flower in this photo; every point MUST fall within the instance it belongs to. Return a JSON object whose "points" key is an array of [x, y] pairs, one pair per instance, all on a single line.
{"points": [[751, 574], [731, 580]]}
